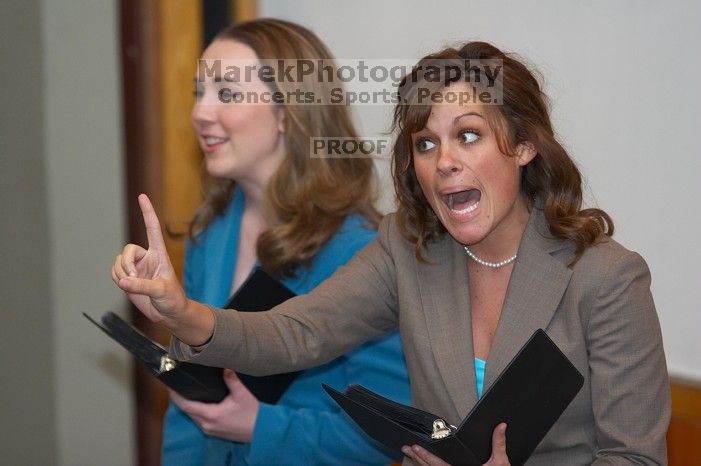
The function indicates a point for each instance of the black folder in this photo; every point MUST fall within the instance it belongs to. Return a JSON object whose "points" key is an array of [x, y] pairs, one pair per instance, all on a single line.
{"points": [[193, 381], [259, 292], [529, 396]]}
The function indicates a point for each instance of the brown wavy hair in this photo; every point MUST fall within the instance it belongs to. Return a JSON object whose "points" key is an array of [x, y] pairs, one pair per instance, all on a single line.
{"points": [[309, 197], [521, 117]]}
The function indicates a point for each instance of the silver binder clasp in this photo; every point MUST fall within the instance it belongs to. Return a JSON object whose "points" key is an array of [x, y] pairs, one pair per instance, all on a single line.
{"points": [[167, 364], [440, 429]]}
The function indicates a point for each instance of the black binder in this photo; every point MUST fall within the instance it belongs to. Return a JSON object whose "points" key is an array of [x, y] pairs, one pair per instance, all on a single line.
{"points": [[193, 381], [259, 292], [529, 396]]}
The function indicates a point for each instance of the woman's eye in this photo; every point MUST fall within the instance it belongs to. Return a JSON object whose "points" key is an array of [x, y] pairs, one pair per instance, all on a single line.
{"points": [[469, 136], [423, 145]]}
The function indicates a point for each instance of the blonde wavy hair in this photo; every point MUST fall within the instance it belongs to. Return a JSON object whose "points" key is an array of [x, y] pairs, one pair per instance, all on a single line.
{"points": [[310, 197]]}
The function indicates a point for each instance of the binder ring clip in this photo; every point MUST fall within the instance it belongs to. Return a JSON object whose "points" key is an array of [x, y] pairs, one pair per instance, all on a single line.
{"points": [[440, 429]]}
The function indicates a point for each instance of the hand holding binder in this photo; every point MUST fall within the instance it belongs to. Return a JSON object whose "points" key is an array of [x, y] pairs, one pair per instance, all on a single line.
{"points": [[232, 419], [529, 396], [499, 457]]}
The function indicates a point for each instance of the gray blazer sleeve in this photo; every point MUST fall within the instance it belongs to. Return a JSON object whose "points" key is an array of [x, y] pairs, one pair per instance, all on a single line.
{"points": [[356, 304], [629, 382]]}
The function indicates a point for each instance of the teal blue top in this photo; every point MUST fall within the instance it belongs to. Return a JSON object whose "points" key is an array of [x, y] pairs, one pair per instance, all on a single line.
{"points": [[480, 365]]}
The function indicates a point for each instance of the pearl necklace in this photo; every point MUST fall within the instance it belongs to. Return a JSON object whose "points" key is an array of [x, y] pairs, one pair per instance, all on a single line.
{"points": [[494, 265]]}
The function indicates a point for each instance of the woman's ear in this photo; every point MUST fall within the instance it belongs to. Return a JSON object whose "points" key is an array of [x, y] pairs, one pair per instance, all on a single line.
{"points": [[525, 152]]}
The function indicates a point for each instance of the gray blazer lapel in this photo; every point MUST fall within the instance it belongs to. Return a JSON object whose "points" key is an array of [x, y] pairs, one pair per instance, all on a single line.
{"points": [[446, 303], [535, 289]]}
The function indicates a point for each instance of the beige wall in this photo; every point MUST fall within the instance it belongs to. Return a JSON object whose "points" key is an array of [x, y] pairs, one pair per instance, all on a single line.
{"points": [[27, 411], [68, 398]]}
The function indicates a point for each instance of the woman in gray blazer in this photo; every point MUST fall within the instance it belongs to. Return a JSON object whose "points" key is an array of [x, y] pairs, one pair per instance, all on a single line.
{"points": [[489, 243]]}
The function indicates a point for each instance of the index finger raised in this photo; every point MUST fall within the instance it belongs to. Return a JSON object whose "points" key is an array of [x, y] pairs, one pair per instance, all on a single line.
{"points": [[153, 226]]}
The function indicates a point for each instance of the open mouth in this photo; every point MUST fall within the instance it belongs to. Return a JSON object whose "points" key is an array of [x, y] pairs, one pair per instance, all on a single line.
{"points": [[463, 201]]}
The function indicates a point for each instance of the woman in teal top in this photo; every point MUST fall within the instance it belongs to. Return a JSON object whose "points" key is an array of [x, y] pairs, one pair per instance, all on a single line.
{"points": [[291, 429], [268, 203]]}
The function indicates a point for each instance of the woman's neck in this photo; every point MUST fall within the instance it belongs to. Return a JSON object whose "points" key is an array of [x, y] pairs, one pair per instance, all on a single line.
{"points": [[253, 223], [254, 193]]}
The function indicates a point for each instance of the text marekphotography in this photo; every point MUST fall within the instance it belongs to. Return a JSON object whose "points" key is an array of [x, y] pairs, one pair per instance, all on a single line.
{"points": [[349, 82]]}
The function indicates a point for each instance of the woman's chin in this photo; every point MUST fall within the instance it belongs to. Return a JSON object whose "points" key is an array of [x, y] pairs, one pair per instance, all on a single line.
{"points": [[216, 169], [465, 229], [465, 234]]}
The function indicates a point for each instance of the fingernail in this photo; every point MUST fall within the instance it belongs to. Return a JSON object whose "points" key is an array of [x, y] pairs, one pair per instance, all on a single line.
{"points": [[415, 448], [406, 450]]}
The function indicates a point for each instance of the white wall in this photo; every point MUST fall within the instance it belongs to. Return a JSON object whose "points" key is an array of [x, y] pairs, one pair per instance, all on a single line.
{"points": [[66, 389], [623, 78]]}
